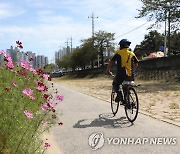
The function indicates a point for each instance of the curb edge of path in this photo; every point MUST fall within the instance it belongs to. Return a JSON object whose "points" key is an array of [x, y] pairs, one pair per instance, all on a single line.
{"points": [[160, 118]]}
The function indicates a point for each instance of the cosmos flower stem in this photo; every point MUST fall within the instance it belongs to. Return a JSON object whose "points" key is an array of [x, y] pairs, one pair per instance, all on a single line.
{"points": [[7, 130], [38, 148], [44, 150], [19, 143], [39, 123]]}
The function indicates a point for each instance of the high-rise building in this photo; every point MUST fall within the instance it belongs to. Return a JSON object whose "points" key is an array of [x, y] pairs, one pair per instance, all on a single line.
{"points": [[41, 61], [56, 56], [46, 60], [38, 61], [13, 53], [62, 52], [17, 56], [33, 60], [1, 59]]}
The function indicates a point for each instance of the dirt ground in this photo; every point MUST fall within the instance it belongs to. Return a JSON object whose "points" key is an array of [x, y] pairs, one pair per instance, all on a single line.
{"points": [[159, 99]]}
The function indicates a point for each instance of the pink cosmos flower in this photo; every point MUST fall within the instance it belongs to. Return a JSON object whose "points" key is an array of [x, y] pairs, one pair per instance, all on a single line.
{"points": [[10, 65], [28, 92], [44, 107], [2, 52], [41, 88], [39, 71], [31, 59], [24, 64], [46, 77], [33, 70], [44, 123], [14, 84], [46, 96], [60, 123], [28, 114], [32, 97], [50, 104], [59, 98], [19, 44], [7, 89], [13, 71], [7, 58], [46, 145]]}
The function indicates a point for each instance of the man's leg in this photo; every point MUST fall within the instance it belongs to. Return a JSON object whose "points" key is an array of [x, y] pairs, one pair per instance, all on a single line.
{"points": [[116, 84]]}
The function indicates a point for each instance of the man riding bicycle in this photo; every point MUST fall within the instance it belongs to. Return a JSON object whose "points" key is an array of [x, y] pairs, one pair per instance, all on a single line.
{"points": [[127, 63]]}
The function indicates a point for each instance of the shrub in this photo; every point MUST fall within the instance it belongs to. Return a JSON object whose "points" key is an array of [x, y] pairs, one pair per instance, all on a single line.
{"points": [[27, 108]]}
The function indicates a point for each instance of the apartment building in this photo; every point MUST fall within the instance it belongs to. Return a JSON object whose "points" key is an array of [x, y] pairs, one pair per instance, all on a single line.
{"points": [[36, 61]]}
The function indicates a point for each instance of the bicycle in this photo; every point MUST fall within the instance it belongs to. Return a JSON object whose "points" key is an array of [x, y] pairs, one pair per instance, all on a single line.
{"points": [[129, 100]]}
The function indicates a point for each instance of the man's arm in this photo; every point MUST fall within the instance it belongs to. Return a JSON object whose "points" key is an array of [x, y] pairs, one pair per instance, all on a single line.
{"points": [[111, 63], [135, 66], [136, 61]]}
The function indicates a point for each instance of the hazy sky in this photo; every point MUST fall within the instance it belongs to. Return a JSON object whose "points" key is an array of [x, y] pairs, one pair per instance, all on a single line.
{"points": [[43, 26]]}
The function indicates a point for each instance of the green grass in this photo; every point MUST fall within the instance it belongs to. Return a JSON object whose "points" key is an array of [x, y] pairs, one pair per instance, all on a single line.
{"points": [[152, 104], [174, 106], [19, 134]]}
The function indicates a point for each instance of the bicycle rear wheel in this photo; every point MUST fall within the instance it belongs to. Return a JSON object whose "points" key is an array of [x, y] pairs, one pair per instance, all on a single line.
{"points": [[114, 105], [132, 104]]}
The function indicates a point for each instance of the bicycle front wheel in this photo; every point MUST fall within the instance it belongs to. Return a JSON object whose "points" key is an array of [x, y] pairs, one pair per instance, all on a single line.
{"points": [[114, 105], [132, 104]]}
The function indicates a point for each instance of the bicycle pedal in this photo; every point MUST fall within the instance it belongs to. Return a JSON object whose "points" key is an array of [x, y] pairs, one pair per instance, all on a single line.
{"points": [[122, 103], [128, 106], [134, 106]]}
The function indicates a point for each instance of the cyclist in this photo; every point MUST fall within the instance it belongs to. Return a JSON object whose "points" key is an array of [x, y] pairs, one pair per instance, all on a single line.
{"points": [[127, 63]]}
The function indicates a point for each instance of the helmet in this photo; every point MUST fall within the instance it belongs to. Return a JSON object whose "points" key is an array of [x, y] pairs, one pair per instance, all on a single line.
{"points": [[124, 43]]}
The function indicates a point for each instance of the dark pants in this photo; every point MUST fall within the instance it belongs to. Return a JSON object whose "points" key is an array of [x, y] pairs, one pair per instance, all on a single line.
{"points": [[118, 80]]}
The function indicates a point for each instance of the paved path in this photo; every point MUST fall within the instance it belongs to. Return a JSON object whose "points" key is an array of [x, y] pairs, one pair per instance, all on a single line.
{"points": [[84, 115]]}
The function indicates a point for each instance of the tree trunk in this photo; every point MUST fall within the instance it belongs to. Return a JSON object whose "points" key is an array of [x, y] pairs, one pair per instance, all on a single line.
{"points": [[169, 34], [102, 56]]}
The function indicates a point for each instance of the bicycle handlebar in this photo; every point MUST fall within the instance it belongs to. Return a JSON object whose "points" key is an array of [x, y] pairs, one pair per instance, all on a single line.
{"points": [[111, 74], [132, 84]]}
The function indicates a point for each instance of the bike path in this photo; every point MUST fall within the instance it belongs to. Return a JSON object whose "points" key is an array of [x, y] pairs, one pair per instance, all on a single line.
{"points": [[83, 115]]}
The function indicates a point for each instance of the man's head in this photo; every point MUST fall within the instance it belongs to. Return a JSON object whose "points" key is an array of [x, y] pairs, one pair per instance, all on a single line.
{"points": [[124, 43]]}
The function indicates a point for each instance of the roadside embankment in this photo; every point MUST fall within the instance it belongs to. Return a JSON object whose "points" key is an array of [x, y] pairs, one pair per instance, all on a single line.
{"points": [[159, 99]]}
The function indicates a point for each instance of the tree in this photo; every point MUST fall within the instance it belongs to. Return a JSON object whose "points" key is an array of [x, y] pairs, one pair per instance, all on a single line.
{"points": [[160, 10], [90, 50], [157, 9], [175, 41], [87, 53], [80, 58], [102, 41], [154, 40], [151, 43], [49, 68], [65, 62]]}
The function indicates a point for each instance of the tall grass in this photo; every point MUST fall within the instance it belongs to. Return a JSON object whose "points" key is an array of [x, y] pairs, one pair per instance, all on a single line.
{"points": [[25, 116]]}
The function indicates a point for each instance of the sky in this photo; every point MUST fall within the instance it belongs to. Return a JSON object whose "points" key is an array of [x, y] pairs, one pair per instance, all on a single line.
{"points": [[43, 26]]}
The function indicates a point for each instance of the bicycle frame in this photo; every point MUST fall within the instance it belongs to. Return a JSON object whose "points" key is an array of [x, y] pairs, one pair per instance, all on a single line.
{"points": [[130, 100]]}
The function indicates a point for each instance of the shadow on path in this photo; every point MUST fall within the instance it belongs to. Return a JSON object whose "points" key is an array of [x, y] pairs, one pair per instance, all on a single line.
{"points": [[106, 120]]}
